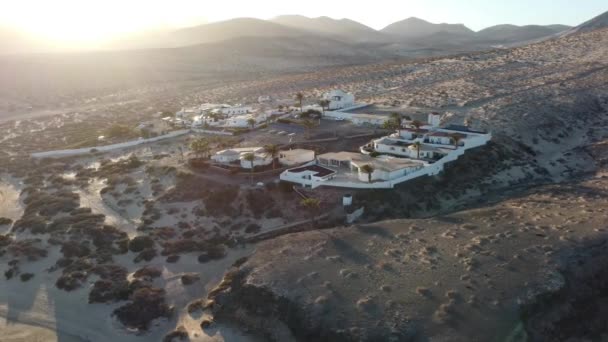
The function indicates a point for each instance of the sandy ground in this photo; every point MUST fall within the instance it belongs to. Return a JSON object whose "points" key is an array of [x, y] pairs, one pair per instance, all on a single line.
{"points": [[37, 311], [10, 206]]}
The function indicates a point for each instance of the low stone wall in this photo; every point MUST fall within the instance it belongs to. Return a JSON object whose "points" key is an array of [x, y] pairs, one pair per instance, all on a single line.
{"points": [[206, 131], [295, 227], [106, 148]]}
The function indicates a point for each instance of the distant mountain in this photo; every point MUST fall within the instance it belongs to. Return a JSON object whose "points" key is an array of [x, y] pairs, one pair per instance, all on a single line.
{"points": [[599, 22], [513, 33], [225, 30], [559, 27], [342, 29], [414, 28]]}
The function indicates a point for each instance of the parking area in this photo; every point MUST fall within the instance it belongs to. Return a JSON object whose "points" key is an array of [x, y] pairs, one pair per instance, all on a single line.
{"points": [[285, 133]]}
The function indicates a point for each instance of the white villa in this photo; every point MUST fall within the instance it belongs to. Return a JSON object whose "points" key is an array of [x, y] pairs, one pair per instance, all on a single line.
{"points": [[384, 169], [434, 119], [234, 155], [188, 113], [404, 155], [262, 158], [339, 99], [234, 110], [243, 120]]}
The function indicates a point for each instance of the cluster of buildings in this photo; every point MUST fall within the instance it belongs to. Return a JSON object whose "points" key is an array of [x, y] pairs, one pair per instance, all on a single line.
{"points": [[210, 115], [238, 156], [414, 150], [383, 163]]}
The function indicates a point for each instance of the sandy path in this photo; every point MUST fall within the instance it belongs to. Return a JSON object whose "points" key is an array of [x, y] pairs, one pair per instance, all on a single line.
{"points": [[91, 198]]}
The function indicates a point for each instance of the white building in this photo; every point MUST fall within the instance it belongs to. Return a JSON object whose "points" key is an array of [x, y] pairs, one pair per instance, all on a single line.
{"points": [[260, 159], [264, 99], [226, 156], [188, 113], [237, 155], [296, 156], [368, 119], [425, 153], [385, 169], [240, 121], [444, 138], [236, 110], [308, 175], [339, 99], [392, 146], [434, 119]]}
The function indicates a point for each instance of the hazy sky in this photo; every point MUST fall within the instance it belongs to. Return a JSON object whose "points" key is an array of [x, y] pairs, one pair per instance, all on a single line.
{"points": [[83, 20]]}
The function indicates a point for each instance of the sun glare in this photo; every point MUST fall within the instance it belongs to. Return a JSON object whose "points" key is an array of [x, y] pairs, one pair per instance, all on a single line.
{"points": [[85, 22]]}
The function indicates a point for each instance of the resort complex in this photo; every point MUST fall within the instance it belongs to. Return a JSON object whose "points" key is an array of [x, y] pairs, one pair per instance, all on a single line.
{"points": [[409, 153]]}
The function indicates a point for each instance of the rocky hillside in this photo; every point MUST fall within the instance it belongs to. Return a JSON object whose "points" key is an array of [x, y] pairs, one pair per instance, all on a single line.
{"points": [[517, 265], [599, 22], [434, 279]]}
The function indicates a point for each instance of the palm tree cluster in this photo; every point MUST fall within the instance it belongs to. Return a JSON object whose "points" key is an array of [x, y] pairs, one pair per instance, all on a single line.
{"points": [[394, 122], [456, 138], [201, 147], [273, 151], [324, 104], [367, 168], [250, 157], [312, 205], [417, 145], [251, 122], [300, 98]]}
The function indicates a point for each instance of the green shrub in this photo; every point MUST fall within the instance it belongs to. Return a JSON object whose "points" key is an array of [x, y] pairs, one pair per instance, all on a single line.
{"points": [[139, 243]]}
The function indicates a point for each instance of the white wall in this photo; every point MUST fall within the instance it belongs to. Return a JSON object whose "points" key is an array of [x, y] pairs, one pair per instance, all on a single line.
{"points": [[196, 130], [398, 150], [245, 164], [297, 158], [225, 158]]}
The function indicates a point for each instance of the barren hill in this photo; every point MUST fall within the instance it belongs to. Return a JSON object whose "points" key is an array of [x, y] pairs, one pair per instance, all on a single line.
{"points": [[513, 33], [417, 28], [347, 29], [599, 22]]}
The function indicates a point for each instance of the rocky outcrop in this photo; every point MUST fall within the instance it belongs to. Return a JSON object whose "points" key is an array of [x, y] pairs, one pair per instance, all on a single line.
{"points": [[577, 310], [278, 318]]}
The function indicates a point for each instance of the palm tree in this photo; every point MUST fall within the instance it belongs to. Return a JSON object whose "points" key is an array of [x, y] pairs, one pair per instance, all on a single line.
{"points": [[324, 103], [200, 147], [416, 124], [300, 98], [456, 138], [250, 157], [397, 118], [309, 125], [367, 168], [312, 205], [417, 145], [273, 151], [390, 125], [251, 122]]}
